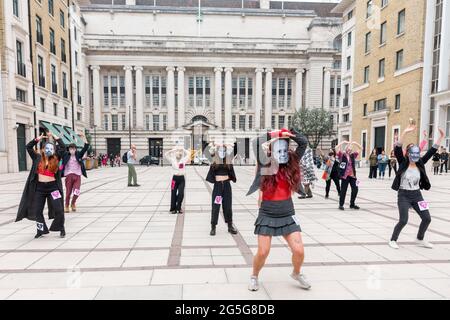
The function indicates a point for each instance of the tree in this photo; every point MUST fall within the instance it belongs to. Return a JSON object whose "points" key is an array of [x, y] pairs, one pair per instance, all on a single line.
{"points": [[315, 124]]}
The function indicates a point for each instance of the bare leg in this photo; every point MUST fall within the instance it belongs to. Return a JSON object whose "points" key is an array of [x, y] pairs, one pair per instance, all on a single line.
{"points": [[264, 243], [295, 242]]}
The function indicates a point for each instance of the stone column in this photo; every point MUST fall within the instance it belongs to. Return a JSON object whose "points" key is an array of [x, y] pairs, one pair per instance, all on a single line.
{"points": [[97, 100], [258, 97], [268, 99], [299, 88], [228, 97], [326, 89], [181, 100], [128, 96], [307, 84], [139, 98], [170, 97], [218, 96]]}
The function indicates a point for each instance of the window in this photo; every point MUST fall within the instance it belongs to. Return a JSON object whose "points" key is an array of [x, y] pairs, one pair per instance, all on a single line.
{"points": [[273, 122], [346, 118], [349, 39], [64, 83], [122, 91], [346, 94], [350, 15], [242, 123], [75, 33], [397, 102], [50, 7], [367, 42], [369, 9], [63, 50], [105, 122], [155, 122], [242, 92], [114, 93], [61, 18], [383, 30], [381, 65], [380, 105], [366, 74], [365, 110], [42, 105], [164, 122], [436, 46], [53, 74], [114, 122], [123, 122], [349, 62], [250, 122], [52, 41], [199, 91], [21, 70], [20, 95], [401, 22], [41, 71], [39, 35], [16, 8], [78, 92], [76, 58], [384, 3], [281, 92], [66, 113], [55, 109], [399, 60], [233, 122], [78, 116], [364, 144], [281, 122], [105, 92]]}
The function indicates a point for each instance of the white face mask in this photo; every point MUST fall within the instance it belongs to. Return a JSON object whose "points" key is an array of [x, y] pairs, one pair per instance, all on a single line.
{"points": [[49, 149], [222, 152], [280, 151]]}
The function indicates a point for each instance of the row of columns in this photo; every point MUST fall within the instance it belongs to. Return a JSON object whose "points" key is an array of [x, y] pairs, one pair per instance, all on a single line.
{"points": [[181, 95]]}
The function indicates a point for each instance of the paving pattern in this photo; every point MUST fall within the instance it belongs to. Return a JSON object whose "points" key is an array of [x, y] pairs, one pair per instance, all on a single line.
{"points": [[122, 243]]}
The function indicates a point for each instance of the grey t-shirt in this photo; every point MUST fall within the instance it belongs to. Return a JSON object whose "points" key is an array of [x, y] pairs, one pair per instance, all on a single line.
{"points": [[410, 179]]}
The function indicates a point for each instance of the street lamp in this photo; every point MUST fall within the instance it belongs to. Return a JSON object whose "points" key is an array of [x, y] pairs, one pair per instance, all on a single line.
{"points": [[95, 140], [129, 124]]}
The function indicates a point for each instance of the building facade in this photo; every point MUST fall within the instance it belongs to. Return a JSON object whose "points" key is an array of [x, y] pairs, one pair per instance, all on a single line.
{"points": [[347, 9], [436, 77], [197, 74], [388, 71]]}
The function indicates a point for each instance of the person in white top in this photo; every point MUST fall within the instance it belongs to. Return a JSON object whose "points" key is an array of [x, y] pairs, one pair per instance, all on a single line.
{"points": [[178, 157], [131, 161]]}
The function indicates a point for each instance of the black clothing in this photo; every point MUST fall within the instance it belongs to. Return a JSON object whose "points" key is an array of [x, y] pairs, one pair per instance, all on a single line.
{"points": [[344, 162], [406, 200], [220, 170], [373, 172], [403, 163], [177, 195], [221, 193], [276, 218], [328, 185], [392, 167], [79, 156], [29, 191], [344, 186], [44, 192]]}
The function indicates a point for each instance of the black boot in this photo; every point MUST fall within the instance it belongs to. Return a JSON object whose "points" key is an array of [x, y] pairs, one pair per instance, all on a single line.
{"points": [[62, 233], [213, 230], [231, 228]]}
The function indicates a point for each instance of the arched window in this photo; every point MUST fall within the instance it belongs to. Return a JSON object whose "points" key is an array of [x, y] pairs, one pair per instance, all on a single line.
{"points": [[199, 118]]}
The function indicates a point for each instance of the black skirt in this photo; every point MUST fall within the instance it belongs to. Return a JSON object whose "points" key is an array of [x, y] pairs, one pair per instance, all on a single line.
{"points": [[276, 218]]}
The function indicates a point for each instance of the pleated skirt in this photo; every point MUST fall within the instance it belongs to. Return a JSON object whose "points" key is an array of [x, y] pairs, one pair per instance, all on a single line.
{"points": [[276, 218]]}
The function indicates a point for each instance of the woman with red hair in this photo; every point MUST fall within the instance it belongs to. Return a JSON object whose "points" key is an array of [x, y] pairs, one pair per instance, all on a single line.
{"points": [[278, 176]]}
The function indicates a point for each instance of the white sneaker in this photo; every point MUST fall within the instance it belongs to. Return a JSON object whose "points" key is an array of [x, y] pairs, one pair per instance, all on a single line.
{"points": [[393, 245], [254, 284], [424, 243], [300, 278]]}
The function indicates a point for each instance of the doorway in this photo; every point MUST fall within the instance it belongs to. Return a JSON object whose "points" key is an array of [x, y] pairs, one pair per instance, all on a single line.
{"points": [[113, 146], [155, 147], [242, 150], [380, 136], [21, 143]]}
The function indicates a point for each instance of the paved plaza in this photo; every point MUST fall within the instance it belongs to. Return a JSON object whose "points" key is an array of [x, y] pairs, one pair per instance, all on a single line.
{"points": [[122, 243]]}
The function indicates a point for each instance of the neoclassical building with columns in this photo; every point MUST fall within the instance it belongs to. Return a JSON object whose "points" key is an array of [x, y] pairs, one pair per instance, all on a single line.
{"points": [[166, 72]]}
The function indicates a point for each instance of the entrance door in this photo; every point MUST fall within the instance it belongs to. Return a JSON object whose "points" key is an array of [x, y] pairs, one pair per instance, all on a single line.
{"points": [[21, 143], [380, 134], [113, 146], [242, 150], [155, 147], [199, 142]]}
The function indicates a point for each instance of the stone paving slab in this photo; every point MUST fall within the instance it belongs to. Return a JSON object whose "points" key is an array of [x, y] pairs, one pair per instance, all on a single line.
{"points": [[122, 243]]}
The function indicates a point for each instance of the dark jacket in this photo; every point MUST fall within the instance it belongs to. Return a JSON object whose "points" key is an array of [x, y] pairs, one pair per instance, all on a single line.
{"points": [[263, 160], [30, 186], [403, 163], [344, 162], [211, 177], [79, 155]]}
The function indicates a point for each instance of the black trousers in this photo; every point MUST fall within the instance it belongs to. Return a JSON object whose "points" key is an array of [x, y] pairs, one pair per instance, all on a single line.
{"points": [[405, 200], [222, 189], [344, 185], [392, 167], [335, 179], [444, 165], [177, 195], [373, 172], [44, 193], [436, 169]]}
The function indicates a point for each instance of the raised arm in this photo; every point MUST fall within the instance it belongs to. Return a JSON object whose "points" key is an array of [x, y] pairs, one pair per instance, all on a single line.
{"points": [[302, 142], [434, 148], [30, 146], [356, 144], [86, 145], [339, 146]]}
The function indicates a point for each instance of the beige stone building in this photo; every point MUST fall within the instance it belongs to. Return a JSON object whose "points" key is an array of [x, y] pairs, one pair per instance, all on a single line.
{"points": [[388, 71]]}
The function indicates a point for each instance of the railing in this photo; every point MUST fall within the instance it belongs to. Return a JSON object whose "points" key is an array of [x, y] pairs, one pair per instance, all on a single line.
{"points": [[21, 69]]}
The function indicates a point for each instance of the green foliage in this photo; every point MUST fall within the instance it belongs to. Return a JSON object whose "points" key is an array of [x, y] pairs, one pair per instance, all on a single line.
{"points": [[314, 123]]}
